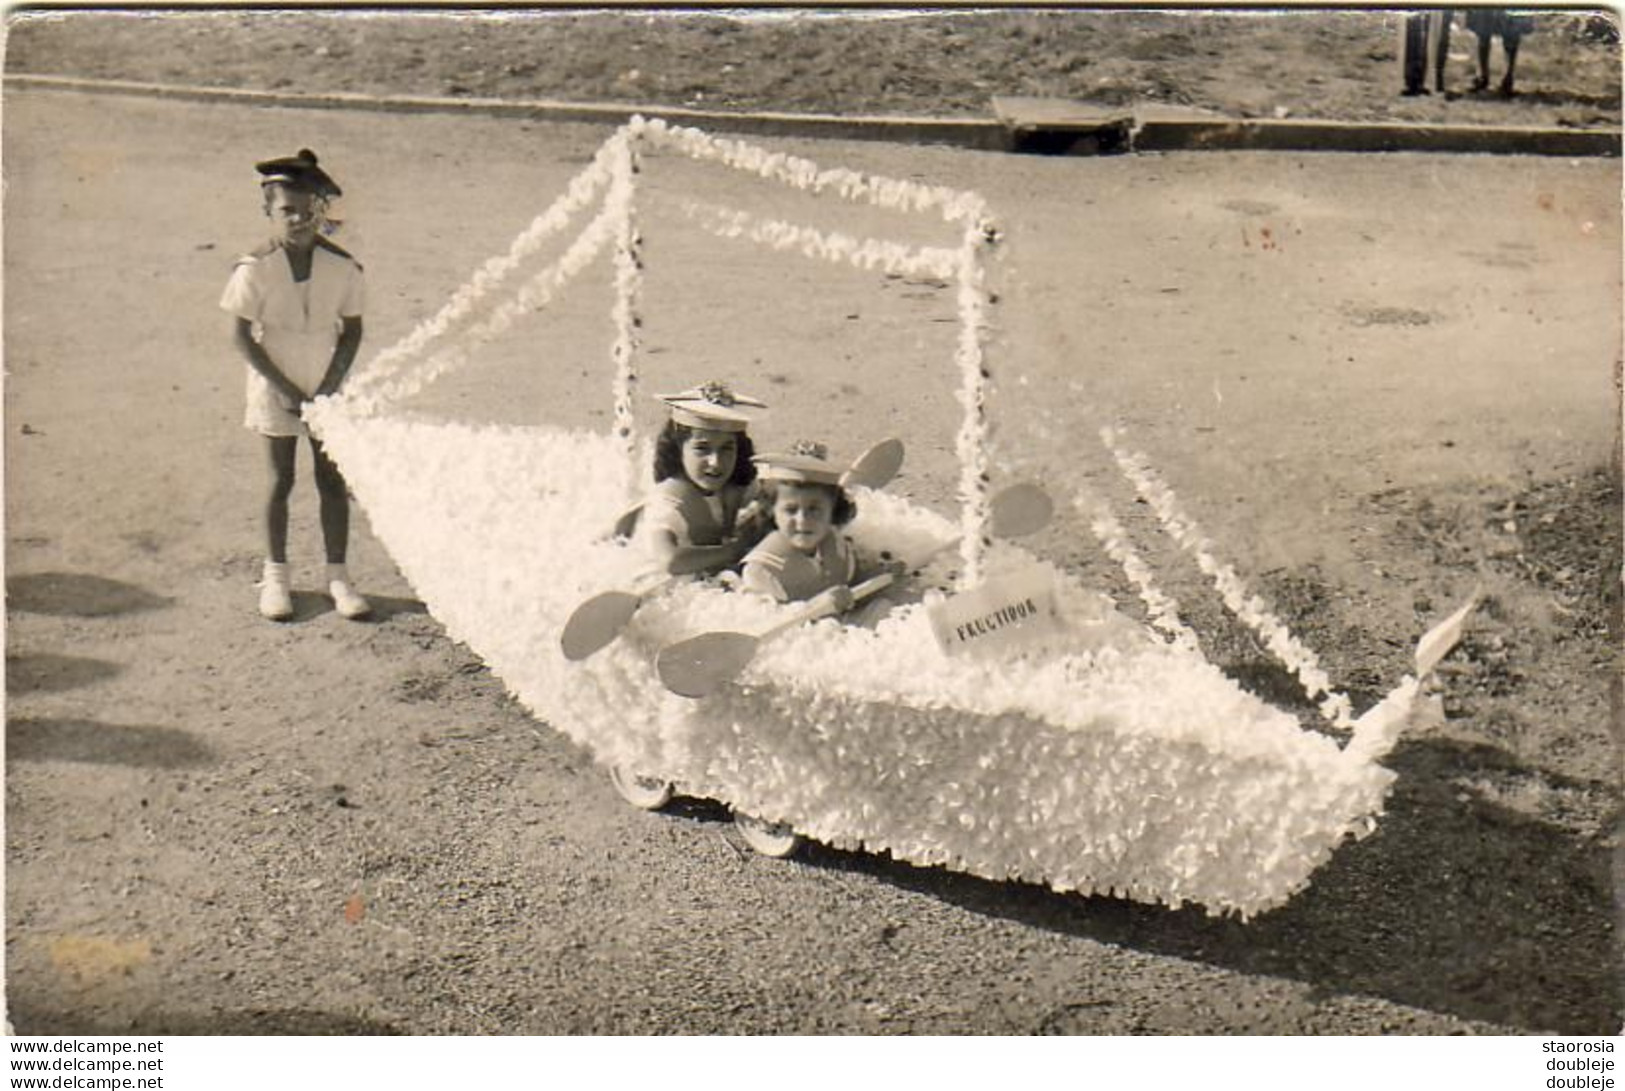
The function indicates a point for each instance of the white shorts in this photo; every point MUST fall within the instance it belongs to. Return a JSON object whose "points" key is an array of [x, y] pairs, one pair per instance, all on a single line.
{"points": [[268, 412]]}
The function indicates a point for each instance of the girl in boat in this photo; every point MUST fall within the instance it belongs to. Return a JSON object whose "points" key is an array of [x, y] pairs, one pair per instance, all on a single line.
{"points": [[807, 556], [691, 523]]}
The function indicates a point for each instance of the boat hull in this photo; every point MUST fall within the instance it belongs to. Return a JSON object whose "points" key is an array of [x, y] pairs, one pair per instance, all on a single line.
{"points": [[1098, 760]]}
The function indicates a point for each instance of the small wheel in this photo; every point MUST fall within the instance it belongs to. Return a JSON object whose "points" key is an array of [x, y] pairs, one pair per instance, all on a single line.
{"points": [[774, 839], [646, 793]]}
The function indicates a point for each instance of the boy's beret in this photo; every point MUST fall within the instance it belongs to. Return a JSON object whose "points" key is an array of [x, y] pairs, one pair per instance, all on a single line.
{"points": [[299, 171]]}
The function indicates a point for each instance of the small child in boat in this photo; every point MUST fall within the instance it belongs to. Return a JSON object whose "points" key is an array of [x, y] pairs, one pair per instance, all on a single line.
{"points": [[807, 556], [691, 522]]}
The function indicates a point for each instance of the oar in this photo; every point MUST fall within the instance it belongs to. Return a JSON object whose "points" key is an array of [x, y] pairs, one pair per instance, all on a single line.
{"points": [[626, 523], [596, 623], [700, 665], [876, 466]]}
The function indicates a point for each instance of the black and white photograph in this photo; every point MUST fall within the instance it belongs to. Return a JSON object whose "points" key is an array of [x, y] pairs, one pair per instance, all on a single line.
{"points": [[880, 521]]}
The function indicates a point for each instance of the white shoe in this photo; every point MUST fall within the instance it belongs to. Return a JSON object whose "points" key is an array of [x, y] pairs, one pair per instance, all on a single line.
{"points": [[276, 600], [346, 599]]}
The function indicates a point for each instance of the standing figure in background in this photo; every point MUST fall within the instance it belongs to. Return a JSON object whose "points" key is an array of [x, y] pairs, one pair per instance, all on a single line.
{"points": [[1510, 27], [1424, 46], [296, 321]]}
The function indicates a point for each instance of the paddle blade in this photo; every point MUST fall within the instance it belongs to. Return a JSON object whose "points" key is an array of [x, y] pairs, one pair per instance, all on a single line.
{"points": [[597, 622], [626, 523], [1020, 510], [700, 665], [876, 466]]}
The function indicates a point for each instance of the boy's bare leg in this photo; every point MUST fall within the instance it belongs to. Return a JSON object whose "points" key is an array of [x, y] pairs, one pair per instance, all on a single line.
{"points": [[276, 600], [335, 496], [282, 450], [336, 533]]}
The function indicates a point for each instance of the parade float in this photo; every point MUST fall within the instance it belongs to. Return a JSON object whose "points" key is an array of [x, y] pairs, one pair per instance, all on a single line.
{"points": [[1080, 749]]}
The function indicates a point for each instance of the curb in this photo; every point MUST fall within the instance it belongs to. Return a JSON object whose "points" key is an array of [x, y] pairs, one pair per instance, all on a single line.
{"points": [[1155, 133], [984, 135], [1352, 136]]}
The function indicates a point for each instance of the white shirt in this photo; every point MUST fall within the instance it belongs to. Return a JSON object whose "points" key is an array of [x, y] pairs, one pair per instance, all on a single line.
{"points": [[297, 322]]}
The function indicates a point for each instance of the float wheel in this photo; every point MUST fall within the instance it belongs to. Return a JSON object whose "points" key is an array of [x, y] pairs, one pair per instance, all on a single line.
{"points": [[768, 838], [645, 793]]}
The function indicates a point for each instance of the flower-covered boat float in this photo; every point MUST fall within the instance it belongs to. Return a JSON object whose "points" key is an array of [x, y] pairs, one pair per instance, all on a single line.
{"points": [[1087, 752]]}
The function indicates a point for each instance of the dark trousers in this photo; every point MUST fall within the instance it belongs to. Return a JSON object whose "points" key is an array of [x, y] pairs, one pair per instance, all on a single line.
{"points": [[1426, 41]]}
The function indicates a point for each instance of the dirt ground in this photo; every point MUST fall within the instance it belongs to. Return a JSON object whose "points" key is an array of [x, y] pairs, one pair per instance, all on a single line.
{"points": [[1331, 65], [1378, 381]]}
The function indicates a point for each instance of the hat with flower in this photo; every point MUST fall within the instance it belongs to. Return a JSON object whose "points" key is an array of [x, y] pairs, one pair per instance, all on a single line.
{"points": [[804, 463], [713, 405]]}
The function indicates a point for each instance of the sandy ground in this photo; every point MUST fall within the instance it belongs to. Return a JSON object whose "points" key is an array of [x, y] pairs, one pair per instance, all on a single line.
{"points": [[1377, 381]]}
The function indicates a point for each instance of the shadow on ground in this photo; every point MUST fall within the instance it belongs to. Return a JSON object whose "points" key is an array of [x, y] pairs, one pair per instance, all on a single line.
{"points": [[385, 607], [44, 739], [310, 605], [1558, 98], [293, 1021], [47, 673], [78, 594], [1456, 905]]}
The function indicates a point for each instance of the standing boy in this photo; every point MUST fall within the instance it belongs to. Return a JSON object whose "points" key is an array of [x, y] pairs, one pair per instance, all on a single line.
{"points": [[296, 305]]}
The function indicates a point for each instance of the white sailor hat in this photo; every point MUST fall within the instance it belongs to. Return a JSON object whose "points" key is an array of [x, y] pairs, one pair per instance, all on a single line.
{"points": [[715, 406], [804, 463]]}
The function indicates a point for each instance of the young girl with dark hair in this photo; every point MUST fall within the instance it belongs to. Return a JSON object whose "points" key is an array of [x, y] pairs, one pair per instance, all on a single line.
{"points": [[703, 466]]}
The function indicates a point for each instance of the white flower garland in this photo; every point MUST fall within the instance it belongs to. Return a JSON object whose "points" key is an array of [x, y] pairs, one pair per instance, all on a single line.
{"points": [[534, 294], [628, 285], [972, 442], [583, 189], [1251, 609], [803, 174], [1161, 610], [870, 253]]}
